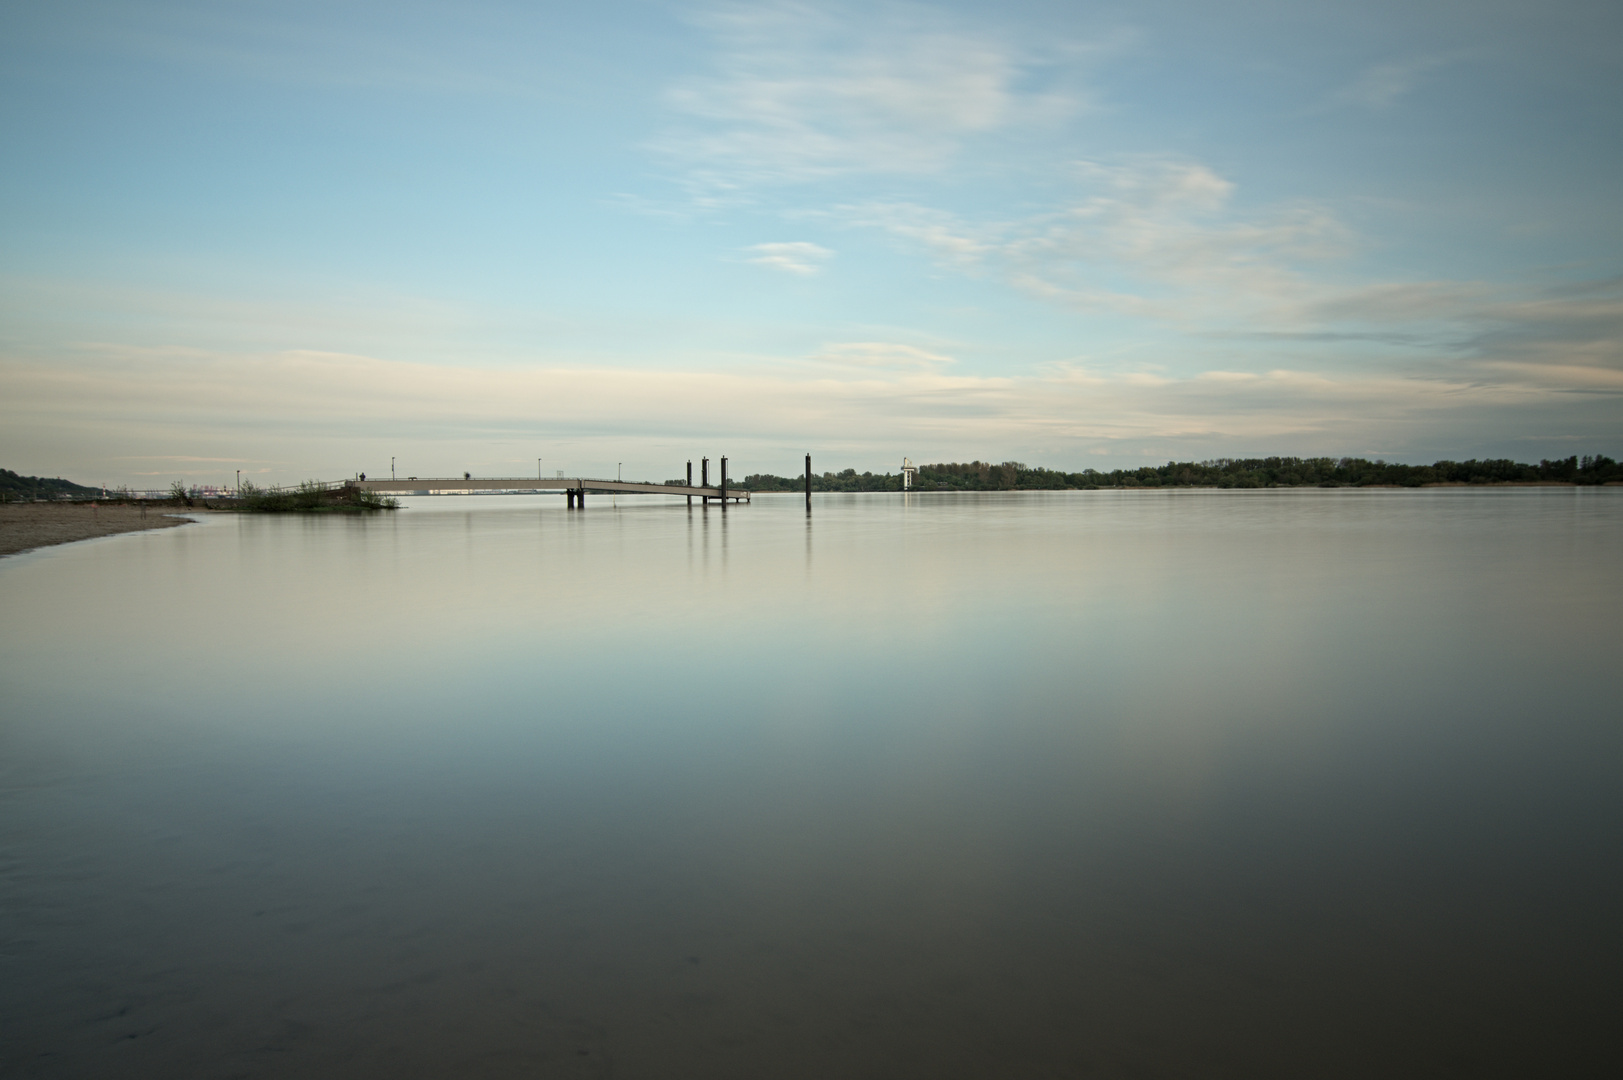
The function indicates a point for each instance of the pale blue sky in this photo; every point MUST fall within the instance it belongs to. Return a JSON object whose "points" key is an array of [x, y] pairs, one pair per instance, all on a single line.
{"points": [[298, 239]]}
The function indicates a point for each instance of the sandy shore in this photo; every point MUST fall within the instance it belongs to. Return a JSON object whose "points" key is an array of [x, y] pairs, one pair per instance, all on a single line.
{"points": [[24, 526]]}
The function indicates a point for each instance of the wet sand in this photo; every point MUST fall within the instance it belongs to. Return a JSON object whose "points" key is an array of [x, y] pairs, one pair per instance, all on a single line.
{"points": [[25, 526]]}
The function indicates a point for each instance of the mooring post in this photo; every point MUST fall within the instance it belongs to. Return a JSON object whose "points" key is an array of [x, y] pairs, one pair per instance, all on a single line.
{"points": [[690, 479], [724, 481], [580, 499], [704, 476], [808, 481]]}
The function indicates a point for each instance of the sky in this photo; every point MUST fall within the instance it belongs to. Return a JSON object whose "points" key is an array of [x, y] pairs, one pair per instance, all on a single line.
{"points": [[301, 239]]}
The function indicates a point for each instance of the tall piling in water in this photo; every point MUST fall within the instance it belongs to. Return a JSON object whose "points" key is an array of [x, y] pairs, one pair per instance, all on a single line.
{"points": [[724, 482], [808, 482], [690, 479], [704, 477]]}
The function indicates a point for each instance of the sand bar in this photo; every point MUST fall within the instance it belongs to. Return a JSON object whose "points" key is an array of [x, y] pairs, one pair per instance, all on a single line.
{"points": [[24, 526]]}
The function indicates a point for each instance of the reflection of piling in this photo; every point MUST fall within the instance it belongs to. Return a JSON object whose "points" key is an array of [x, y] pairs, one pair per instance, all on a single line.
{"points": [[724, 482], [690, 479], [808, 481]]}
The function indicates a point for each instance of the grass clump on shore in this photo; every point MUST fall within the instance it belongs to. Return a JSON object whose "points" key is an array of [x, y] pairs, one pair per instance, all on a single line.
{"points": [[311, 498]]}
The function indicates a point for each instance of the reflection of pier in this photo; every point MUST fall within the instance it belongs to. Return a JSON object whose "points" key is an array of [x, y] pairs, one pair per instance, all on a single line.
{"points": [[575, 488]]}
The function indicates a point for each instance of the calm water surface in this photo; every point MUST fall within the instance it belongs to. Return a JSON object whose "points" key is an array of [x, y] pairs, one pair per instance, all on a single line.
{"points": [[1306, 783]]}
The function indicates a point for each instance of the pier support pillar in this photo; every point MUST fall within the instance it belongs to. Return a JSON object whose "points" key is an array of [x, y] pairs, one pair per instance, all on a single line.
{"points": [[808, 481], [724, 482], [690, 479]]}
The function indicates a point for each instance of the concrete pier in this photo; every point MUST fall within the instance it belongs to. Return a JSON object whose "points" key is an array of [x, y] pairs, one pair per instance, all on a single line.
{"points": [[573, 487]]}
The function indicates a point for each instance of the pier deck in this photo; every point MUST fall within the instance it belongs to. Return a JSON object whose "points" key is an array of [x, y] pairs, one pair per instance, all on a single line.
{"points": [[457, 485]]}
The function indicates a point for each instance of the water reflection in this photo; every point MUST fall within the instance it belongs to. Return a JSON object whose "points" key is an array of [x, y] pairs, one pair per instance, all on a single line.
{"points": [[1306, 782]]}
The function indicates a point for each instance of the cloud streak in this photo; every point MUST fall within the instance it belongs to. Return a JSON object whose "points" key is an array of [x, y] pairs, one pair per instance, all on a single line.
{"points": [[327, 415], [800, 93], [1381, 86], [879, 355], [797, 257], [1161, 242], [1156, 238]]}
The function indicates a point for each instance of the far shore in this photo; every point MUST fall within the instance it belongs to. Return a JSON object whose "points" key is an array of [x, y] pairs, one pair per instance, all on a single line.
{"points": [[26, 526], [30, 525]]}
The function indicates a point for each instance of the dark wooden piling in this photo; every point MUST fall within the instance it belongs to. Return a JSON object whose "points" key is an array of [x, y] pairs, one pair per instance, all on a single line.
{"points": [[690, 479], [808, 481], [724, 482]]}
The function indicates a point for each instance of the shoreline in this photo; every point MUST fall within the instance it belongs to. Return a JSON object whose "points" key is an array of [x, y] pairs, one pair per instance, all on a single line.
{"points": [[30, 526], [1497, 484]]}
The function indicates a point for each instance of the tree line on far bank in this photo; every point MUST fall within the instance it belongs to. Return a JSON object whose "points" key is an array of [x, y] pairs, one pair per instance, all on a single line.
{"points": [[1014, 476], [14, 488], [1220, 473]]}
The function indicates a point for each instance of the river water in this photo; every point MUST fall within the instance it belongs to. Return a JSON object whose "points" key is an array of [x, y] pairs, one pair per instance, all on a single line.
{"points": [[1280, 783]]}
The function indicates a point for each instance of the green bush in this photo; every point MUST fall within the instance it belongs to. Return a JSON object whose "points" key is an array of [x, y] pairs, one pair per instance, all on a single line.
{"points": [[311, 497]]}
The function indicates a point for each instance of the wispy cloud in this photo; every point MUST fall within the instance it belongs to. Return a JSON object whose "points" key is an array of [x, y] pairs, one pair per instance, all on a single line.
{"points": [[1383, 85], [1163, 241], [1152, 237], [326, 414], [945, 236], [187, 458], [793, 257], [880, 355], [1161, 237], [799, 93]]}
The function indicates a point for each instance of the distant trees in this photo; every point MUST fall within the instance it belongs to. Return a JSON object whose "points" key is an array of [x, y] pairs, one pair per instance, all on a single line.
{"points": [[847, 480], [14, 488], [1218, 472], [1015, 476]]}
